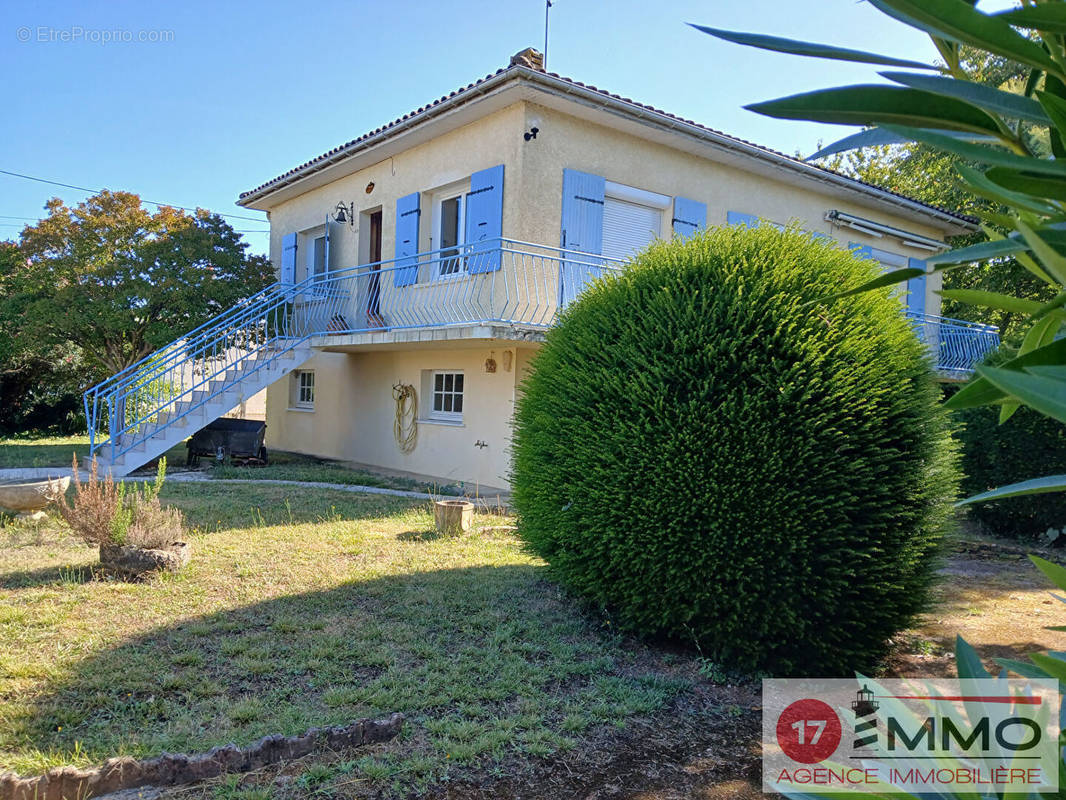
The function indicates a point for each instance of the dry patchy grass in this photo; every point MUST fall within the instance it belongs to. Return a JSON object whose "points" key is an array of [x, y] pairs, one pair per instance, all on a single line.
{"points": [[305, 608]]}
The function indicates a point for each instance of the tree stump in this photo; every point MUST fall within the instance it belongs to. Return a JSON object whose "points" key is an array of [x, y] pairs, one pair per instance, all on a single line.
{"points": [[453, 516]]}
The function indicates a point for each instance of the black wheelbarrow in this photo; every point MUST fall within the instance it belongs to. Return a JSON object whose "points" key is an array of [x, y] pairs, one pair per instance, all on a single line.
{"points": [[239, 440]]}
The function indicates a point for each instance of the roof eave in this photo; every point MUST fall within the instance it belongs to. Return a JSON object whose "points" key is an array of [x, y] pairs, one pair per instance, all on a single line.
{"points": [[957, 224], [961, 223]]}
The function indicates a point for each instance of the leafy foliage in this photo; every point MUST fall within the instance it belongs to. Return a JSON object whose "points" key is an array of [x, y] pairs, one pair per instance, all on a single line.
{"points": [[118, 282], [926, 174], [1025, 446], [711, 457], [38, 384], [105, 513], [1020, 157]]}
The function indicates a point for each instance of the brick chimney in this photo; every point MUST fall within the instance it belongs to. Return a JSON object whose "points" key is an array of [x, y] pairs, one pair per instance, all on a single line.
{"points": [[531, 58]]}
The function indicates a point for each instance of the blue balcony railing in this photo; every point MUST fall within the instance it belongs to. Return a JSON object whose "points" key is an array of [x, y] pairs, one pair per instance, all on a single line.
{"points": [[490, 282], [957, 346]]}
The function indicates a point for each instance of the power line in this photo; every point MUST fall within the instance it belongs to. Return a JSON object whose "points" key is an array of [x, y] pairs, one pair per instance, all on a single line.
{"points": [[39, 219], [97, 191]]}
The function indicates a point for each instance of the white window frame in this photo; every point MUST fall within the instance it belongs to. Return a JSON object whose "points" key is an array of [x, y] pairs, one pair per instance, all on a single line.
{"points": [[631, 194], [305, 250], [299, 387], [448, 416], [890, 261], [314, 255], [660, 203], [460, 190]]}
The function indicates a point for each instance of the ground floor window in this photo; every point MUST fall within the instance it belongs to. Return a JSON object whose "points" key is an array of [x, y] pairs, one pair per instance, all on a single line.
{"points": [[447, 391], [303, 389]]}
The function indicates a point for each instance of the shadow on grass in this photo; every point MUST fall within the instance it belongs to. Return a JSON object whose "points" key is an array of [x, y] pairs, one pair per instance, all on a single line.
{"points": [[424, 535], [46, 576], [499, 646], [41, 452]]}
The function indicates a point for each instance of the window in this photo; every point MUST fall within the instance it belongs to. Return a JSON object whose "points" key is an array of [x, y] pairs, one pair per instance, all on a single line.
{"points": [[632, 219], [447, 391], [448, 230], [891, 261], [303, 389], [319, 256]]}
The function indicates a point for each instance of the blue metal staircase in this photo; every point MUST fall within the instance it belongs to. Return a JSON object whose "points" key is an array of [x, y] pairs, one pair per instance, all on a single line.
{"points": [[151, 406], [147, 408]]}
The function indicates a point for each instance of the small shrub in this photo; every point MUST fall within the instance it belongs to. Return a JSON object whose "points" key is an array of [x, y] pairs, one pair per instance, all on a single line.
{"points": [[709, 455], [1028, 445], [105, 513]]}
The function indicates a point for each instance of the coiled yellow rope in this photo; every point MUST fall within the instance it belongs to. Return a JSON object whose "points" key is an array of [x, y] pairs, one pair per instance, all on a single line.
{"points": [[405, 427]]}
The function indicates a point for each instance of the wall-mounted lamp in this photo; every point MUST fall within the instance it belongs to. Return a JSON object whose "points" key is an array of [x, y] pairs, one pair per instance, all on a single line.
{"points": [[345, 214], [531, 133]]}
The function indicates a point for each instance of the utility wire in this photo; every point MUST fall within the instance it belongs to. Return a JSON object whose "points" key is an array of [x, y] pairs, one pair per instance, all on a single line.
{"points": [[97, 191], [40, 219]]}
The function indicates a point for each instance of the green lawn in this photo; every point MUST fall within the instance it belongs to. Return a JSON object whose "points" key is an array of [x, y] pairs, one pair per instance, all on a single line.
{"points": [[57, 451], [305, 608], [295, 467], [45, 451]]}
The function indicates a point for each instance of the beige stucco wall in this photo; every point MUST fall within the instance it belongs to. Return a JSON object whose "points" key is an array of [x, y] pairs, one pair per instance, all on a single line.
{"points": [[447, 159], [354, 409], [565, 141]]}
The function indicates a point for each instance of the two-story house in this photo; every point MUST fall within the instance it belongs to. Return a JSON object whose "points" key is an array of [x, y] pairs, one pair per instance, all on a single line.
{"points": [[433, 253]]}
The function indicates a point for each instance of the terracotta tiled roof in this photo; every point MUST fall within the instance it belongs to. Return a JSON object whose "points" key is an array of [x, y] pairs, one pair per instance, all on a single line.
{"points": [[309, 166]]}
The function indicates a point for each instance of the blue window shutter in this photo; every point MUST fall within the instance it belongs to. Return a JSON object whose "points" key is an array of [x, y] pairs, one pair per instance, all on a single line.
{"points": [[582, 227], [689, 216], [407, 213], [737, 218], [288, 258], [916, 288], [861, 250], [484, 219]]}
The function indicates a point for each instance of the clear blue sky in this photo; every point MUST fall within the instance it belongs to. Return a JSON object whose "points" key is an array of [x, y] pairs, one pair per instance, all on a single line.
{"points": [[243, 91]]}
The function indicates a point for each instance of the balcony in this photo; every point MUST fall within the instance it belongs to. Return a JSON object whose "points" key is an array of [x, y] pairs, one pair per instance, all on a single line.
{"points": [[957, 345], [518, 285], [490, 289], [497, 283]]}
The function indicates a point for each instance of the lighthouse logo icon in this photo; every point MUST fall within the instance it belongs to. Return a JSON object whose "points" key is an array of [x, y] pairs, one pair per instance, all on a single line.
{"points": [[864, 705]]}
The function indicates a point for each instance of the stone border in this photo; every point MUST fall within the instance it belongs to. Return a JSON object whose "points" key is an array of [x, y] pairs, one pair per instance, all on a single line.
{"points": [[168, 769]]}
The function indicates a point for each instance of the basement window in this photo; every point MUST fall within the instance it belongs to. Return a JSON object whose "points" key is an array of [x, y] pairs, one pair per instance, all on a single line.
{"points": [[303, 389], [447, 396]]}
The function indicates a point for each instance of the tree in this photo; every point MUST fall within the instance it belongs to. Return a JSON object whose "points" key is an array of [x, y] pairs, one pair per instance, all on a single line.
{"points": [[39, 385], [116, 282], [930, 175], [1017, 138]]}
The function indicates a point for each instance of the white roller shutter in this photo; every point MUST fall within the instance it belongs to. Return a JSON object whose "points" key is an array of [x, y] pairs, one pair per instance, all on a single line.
{"points": [[628, 227]]}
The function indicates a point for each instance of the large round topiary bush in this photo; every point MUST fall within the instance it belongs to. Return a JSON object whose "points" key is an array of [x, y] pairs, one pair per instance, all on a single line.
{"points": [[708, 457]]}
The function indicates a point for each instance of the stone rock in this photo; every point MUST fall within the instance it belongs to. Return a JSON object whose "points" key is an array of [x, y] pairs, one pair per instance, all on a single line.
{"points": [[136, 561], [124, 775]]}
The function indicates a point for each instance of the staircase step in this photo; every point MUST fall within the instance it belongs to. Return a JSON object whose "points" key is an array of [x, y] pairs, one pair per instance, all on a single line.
{"points": [[218, 390]]}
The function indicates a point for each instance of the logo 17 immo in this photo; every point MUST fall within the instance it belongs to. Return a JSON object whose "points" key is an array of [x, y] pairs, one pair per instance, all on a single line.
{"points": [[910, 736]]}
